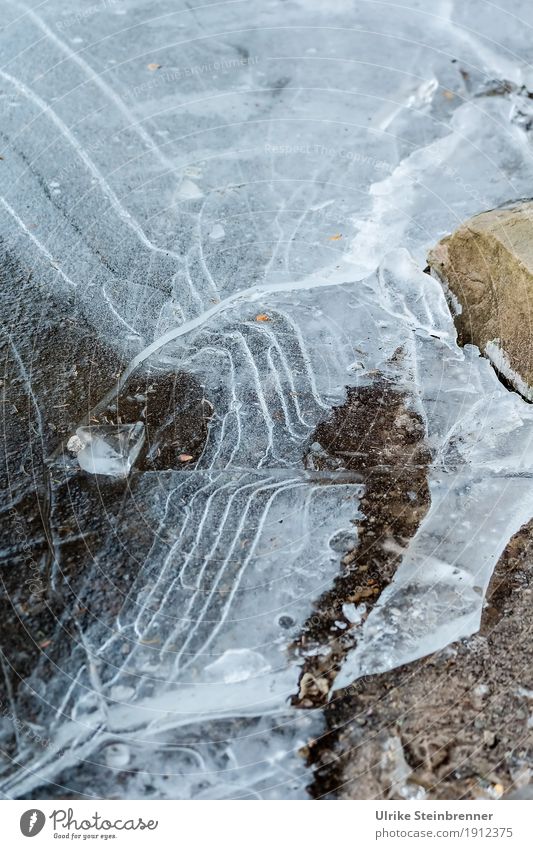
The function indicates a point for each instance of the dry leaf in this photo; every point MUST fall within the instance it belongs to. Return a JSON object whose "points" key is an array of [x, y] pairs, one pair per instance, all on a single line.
{"points": [[336, 237], [184, 458], [262, 317], [153, 66]]}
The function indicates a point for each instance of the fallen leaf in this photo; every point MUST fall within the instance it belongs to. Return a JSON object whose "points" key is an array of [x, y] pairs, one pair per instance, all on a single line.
{"points": [[184, 458], [153, 66], [449, 95], [336, 237], [360, 594], [262, 317]]}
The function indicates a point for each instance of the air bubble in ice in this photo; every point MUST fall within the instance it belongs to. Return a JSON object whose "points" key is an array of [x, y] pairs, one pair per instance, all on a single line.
{"points": [[237, 665], [117, 755], [217, 232]]}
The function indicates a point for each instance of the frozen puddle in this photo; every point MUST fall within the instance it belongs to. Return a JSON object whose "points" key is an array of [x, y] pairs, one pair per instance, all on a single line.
{"points": [[239, 556], [223, 226]]}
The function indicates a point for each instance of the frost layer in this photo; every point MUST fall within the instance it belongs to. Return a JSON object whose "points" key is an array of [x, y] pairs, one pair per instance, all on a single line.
{"points": [[209, 191]]}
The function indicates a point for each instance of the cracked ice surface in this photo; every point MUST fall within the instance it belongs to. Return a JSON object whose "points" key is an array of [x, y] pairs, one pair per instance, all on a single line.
{"points": [[278, 156]]}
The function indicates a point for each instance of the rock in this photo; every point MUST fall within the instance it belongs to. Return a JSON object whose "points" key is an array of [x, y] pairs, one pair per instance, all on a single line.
{"points": [[489, 738], [487, 266], [312, 686]]}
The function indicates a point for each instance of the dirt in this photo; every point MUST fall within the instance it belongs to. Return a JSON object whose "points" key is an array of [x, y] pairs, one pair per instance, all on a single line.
{"points": [[376, 434], [454, 725], [450, 726]]}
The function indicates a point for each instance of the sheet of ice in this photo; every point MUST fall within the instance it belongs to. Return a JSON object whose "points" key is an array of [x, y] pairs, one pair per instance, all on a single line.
{"points": [[481, 494], [208, 190]]}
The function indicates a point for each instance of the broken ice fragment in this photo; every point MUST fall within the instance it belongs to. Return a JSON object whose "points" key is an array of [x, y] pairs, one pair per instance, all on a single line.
{"points": [[108, 449]]}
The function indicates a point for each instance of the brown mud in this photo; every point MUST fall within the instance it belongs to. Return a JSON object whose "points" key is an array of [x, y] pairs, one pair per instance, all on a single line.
{"points": [[376, 434], [456, 724]]}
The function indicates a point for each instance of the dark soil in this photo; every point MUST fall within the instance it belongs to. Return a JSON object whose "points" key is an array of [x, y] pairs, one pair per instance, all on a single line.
{"points": [[450, 726], [455, 725], [175, 414]]}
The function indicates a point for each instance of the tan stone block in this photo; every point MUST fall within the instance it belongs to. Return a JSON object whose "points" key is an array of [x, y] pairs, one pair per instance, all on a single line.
{"points": [[487, 266]]}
